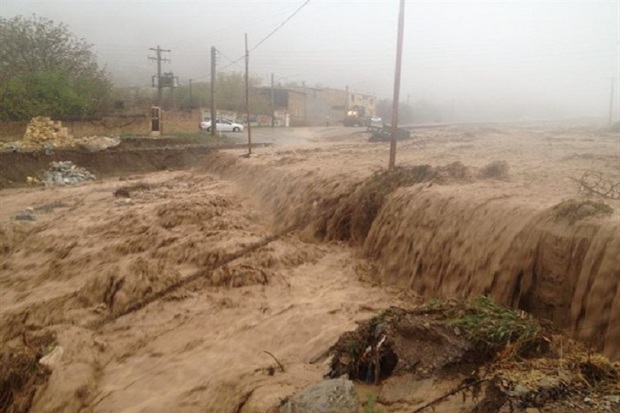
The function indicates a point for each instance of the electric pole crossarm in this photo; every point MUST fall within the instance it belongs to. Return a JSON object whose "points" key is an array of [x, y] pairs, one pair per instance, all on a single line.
{"points": [[159, 59]]}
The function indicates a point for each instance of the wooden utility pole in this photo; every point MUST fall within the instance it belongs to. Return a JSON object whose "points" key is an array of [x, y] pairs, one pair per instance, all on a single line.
{"points": [[247, 94], [213, 114], [159, 59], [395, 102], [191, 106], [611, 100], [273, 104]]}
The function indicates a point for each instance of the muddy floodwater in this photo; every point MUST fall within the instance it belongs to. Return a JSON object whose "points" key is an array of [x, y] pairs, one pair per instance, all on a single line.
{"points": [[183, 276]]}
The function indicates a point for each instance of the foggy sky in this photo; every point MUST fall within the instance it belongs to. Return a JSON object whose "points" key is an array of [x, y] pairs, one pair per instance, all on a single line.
{"points": [[487, 60]]}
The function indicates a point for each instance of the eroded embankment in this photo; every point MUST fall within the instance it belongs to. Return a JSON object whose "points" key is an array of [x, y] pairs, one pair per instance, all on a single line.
{"points": [[559, 263], [551, 264]]}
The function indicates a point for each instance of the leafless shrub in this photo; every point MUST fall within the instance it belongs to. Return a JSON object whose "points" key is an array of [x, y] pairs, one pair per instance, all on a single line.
{"points": [[594, 183], [496, 170]]}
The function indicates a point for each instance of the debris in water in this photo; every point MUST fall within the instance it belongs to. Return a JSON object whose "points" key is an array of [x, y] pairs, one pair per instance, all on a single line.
{"points": [[66, 173], [26, 215], [53, 358], [506, 355]]}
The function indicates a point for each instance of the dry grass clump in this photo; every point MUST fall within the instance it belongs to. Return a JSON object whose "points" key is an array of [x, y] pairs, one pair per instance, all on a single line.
{"points": [[519, 361], [495, 170], [497, 329], [573, 210], [11, 236], [21, 374], [352, 217], [455, 171]]}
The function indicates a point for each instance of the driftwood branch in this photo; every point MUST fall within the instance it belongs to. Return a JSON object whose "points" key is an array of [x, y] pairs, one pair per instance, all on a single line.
{"points": [[274, 357], [448, 394]]}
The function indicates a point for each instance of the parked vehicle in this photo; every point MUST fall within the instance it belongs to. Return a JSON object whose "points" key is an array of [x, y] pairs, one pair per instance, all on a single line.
{"points": [[223, 125], [376, 122]]}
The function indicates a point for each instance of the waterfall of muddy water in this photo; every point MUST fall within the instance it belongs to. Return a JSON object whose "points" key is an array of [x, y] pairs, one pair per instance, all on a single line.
{"points": [[557, 269], [559, 263]]}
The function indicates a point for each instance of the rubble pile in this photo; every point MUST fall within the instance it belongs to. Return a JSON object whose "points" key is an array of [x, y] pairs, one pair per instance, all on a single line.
{"points": [[43, 133], [66, 173]]}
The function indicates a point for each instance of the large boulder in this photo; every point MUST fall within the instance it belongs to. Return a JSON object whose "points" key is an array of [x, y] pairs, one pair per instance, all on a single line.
{"points": [[329, 396]]}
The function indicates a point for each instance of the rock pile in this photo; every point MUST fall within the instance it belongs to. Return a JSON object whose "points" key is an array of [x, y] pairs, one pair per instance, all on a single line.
{"points": [[42, 132], [97, 143], [66, 173]]}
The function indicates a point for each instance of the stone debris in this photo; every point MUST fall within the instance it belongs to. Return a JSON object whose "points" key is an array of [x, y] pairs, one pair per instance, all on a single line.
{"points": [[52, 359], [44, 133], [26, 215], [66, 173], [329, 396], [97, 143]]}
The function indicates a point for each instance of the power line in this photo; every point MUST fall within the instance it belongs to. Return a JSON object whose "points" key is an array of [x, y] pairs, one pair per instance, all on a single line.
{"points": [[304, 4], [232, 62], [236, 61]]}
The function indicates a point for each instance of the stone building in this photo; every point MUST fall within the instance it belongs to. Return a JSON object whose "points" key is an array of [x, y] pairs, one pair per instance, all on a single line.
{"points": [[313, 106]]}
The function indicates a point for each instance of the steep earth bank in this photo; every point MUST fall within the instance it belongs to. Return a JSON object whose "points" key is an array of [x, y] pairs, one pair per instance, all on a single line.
{"points": [[441, 237]]}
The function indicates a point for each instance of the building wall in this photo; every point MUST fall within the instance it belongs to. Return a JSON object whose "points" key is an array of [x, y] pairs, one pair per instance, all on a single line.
{"points": [[337, 101], [173, 122], [365, 100], [297, 108], [321, 106], [317, 108], [309, 106]]}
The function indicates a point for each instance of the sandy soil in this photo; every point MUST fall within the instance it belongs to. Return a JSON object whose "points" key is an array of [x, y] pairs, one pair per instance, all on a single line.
{"points": [[248, 261]]}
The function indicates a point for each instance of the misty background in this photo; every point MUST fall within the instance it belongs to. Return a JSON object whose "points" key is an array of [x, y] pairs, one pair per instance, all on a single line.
{"points": [[472, 60]]}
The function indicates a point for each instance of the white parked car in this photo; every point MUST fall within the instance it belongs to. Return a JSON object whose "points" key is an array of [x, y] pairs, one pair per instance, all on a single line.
{"points": [[376, 122], [223, 125]]}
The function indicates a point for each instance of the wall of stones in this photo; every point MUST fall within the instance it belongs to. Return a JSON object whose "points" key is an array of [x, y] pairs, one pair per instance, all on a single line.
{"points": [[173, 122]]}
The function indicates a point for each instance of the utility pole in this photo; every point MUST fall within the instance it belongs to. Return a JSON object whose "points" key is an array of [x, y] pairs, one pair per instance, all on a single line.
{"points": [[213, 75], [395, 102], [174, 96], [159, 59], [611, 100], [247, 94], [191, 106], [273, 105]]}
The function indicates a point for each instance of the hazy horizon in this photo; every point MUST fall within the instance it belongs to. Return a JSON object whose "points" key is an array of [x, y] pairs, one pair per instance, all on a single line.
{"points": [[487, 60]]}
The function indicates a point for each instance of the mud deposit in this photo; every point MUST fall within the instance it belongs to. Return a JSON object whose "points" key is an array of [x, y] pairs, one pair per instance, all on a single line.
{"points": [[223, 287]]}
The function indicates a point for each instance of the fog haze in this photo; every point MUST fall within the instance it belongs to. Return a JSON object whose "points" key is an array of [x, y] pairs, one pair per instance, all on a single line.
{"points": [[476, 60]]}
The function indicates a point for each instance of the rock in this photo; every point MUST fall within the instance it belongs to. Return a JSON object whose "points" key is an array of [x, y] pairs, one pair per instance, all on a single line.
{"points": [[97, 143], [122, 193], [329, 396], [518, 391], [53, 357], [43, 133], [66, 173], [27, 215]]}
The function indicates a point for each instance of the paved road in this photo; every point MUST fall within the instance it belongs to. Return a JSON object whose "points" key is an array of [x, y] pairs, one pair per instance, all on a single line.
{"points": [[292, 136]]}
